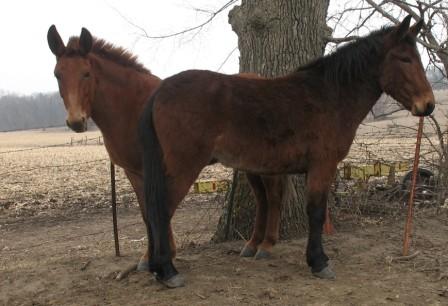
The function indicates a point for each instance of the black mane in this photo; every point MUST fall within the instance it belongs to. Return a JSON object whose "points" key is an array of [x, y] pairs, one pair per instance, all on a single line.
{"points": [[351, 62]]}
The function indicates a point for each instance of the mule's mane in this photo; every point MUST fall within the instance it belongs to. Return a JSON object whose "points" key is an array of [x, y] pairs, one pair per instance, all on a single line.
{"points": [[108, 51], [354, 61]]}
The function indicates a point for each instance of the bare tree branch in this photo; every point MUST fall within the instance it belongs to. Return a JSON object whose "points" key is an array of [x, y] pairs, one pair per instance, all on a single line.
{"points": [[338, 40], [190, 29], [433, 42], [226, 59]]}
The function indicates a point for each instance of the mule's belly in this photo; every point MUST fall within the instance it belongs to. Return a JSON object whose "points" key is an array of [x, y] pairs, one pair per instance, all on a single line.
{"points": [[124, 155], [266, 160], [293, 155]]}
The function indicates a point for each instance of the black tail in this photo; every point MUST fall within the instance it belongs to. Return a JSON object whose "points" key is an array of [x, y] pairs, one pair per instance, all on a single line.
{"points": [[156, 204]]}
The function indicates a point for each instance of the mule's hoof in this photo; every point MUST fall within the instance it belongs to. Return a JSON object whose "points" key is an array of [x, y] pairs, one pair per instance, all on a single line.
{"points": [[247, 252], [325, 273], [262, 254], [143, 266], [174, 282]]}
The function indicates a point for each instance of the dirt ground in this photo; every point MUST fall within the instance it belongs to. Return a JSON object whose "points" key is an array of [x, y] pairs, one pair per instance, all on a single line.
{"points": [[63, 259], [56, 243]]}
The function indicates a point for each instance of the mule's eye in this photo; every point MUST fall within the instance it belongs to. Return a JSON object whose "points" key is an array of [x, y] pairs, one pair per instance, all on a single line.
{"points": [[405, 60], [58, 76], [86, 75]]}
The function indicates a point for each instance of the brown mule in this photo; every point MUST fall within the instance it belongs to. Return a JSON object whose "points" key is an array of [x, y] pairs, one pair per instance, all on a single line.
{"points": [[304, 122], [106, 83]]}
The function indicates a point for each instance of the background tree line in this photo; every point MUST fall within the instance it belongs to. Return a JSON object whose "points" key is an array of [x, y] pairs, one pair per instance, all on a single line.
{"points": [[40, 110]]}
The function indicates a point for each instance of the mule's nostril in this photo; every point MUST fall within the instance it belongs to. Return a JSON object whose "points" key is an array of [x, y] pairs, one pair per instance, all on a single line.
{"points": [[77, 126], [429, 108]]}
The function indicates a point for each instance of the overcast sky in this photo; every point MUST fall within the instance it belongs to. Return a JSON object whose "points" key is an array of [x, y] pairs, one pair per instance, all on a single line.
{"points": [[27, 63]]}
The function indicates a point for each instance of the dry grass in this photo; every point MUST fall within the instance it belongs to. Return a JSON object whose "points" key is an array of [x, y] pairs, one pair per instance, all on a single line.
{"points": [[42, 137], [36, 180]]}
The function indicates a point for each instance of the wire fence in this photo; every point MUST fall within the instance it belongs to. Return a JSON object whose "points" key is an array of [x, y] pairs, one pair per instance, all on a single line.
{"points": [[73, 176], [375, 178]]}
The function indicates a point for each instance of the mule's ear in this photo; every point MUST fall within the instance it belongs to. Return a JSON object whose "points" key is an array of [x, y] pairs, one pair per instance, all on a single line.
{"points": [[85, 41], [416, 28], [55, 41], [403, 27]]}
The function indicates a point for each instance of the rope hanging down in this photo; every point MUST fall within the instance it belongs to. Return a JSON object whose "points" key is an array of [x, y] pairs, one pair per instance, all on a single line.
{"points": [[408, 226]]}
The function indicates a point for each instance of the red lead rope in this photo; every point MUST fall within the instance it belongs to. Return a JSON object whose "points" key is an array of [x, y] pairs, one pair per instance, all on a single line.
{"points": [[408, 226]]}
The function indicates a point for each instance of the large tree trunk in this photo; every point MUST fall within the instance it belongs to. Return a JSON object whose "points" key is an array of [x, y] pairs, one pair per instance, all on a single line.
{"points": [[274, 38]]}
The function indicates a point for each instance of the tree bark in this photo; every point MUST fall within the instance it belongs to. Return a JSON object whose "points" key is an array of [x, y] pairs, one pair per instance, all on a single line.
{"points": [[274, 38]]}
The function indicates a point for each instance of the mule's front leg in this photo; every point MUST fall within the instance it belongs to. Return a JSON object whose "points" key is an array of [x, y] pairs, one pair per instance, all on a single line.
{"points": [[136, 180], [318, 184]]}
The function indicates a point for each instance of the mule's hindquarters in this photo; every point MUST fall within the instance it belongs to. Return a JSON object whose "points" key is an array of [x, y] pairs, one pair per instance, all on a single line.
{"points": [[155, 193], [168, 175], [137, 184]]}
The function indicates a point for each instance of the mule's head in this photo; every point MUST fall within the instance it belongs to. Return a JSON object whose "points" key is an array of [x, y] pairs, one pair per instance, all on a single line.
{"points": [[402, 74], [74, 74]]}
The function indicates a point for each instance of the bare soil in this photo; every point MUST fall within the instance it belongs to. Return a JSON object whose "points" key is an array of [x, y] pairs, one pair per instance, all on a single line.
{"points": [[63, 259]]}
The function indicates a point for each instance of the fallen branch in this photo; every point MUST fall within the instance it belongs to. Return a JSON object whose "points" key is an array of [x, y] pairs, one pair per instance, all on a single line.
{"points": [[85, 265], [200, 295], [428, 270], [123, 274], [241, 235], [442, 276], [391, 259]]}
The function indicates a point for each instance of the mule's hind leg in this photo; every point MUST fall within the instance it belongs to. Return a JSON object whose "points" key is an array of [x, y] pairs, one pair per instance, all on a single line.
{"points": [[136, 181], [250, 249], [319, 179], [177, 187], [143, 264], [274, 189], [177, 178]]}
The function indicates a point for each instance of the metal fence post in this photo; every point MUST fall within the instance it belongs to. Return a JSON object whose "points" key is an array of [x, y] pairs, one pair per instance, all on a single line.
{"points": [[114, 208]]}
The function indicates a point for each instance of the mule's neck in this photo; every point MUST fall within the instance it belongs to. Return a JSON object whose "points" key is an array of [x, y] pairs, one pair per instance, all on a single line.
{"points": [[120, 95], [353, 98], [359, 97]]}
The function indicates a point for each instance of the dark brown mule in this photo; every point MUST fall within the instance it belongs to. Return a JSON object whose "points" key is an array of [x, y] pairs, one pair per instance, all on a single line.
{"points": [[301, 123], [105, 83]]}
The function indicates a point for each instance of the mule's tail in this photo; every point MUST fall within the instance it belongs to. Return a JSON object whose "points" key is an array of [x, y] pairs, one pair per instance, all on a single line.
{"points": [[156, 200]]}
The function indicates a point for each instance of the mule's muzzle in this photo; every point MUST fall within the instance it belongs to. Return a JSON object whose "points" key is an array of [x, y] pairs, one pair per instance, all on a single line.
{"points": [[78, 126], [424, 111], [429, 109]]}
